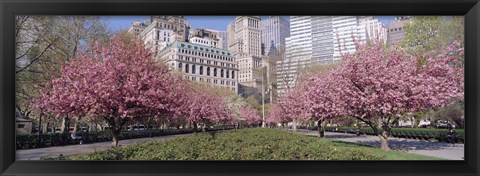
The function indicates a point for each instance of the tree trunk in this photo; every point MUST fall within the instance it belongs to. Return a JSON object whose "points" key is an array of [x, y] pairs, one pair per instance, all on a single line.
{"points": [[115, 137], [294, 125], [65, 124], [75, 127], [195, 127], [45, 128], [321, 133], [384, 141]]}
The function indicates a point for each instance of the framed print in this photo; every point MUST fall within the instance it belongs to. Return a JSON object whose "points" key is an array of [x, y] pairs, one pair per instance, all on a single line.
{"points": [[239, 87]]}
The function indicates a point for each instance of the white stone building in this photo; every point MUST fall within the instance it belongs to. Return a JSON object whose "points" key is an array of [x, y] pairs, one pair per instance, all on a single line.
{"points": [[206, 37], [161, 30], [202, 63]]}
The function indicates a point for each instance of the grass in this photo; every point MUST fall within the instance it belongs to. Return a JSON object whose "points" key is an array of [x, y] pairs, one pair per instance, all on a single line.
{"points": [[248, 144], [388, 155]]}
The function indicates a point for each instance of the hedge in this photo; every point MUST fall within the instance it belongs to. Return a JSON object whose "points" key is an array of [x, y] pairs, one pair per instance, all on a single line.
{"points": [[244, 144], [61, 139], [409, 133]]}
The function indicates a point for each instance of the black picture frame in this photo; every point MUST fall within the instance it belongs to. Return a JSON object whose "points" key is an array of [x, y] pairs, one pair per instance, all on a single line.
{"points": [[10, 8]]}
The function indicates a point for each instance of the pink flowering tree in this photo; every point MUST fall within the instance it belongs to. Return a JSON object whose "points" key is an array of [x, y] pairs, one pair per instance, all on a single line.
{"points": [[323, 99], [294, 105], [276, 115], [117, 82], [379, 85], [203, 108], [251, 116]]}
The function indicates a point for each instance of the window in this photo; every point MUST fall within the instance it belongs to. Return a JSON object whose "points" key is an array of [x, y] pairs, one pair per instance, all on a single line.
{"points": [[208, 71], [21, 126], [201, 70], [233, 74], [221, 73], [180, 65], [228, 73], [186, 68], [193, 69], [215, 72]]}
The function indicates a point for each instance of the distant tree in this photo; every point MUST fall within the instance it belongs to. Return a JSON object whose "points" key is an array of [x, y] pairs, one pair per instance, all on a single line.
{"points": [[428, 33], [251, 116]]}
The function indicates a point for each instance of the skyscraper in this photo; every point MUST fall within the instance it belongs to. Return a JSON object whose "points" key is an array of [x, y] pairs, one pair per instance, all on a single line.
{"points": [[274, 30], [322, 39], [317, 39], [346, 29], [375, 30], [244, 42]]}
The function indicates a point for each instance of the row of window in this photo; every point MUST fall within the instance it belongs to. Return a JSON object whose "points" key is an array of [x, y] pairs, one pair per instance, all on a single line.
{"points": [[192, 59], [215, 81], [223, 73], [395, 29], [203, 54]]}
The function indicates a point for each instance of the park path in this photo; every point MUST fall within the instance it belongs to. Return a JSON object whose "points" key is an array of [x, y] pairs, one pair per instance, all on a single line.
{"points": [[36, 154], [428, 148]]}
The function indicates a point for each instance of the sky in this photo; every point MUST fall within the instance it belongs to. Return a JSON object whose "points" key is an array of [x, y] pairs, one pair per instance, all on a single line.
{"points": [[208, 22]]}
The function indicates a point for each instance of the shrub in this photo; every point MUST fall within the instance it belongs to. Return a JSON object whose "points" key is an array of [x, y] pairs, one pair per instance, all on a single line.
{"points": [[244, 144], [60, 139], [409, 133]]}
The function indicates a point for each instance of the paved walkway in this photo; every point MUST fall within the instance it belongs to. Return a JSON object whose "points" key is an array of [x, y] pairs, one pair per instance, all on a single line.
{"points": [[36, 154], [435, 149]]}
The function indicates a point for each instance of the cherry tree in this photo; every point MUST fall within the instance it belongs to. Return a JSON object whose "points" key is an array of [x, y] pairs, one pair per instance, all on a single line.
{"points": [[378, 85], [203, 107], [117, 82], [322, 99], [251, 116], [276, 115], [293, 103]]}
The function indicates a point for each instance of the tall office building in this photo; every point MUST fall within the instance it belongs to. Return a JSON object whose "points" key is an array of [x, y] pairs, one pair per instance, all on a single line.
{"points": [[318, 39], [310, 42], [375, 30], [346, 30], [322, 39], [395, 29], [224, 38], [274, 29], [244, 42]]}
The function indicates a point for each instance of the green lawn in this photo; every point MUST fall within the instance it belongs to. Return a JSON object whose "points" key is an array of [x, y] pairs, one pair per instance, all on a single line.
{"points": [[249, 144]]}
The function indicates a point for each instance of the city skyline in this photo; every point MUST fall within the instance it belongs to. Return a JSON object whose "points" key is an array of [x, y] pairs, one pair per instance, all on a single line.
{"points": [[115, 23]]}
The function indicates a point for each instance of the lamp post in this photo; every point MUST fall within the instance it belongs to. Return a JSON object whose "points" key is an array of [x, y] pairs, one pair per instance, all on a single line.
{"points": [[263, 104]]}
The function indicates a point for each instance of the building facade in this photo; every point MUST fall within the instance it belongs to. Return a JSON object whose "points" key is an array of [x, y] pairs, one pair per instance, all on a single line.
{"points": [[346, 31], [319, 40], [375, 30], [274, 29], [206, 37], [161, 30], [322, 39], [201, 63], [395, 29], [137, 27], [244, 41]]}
